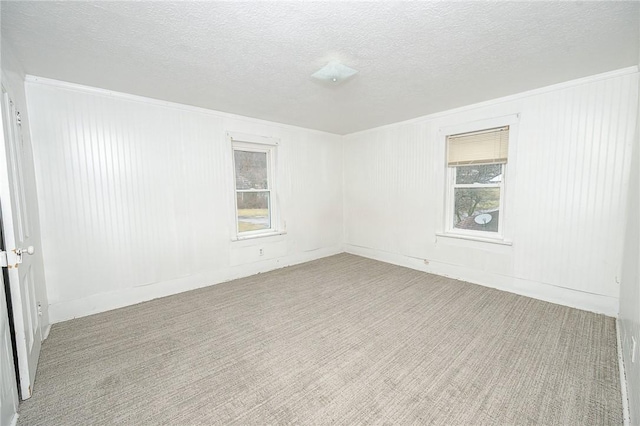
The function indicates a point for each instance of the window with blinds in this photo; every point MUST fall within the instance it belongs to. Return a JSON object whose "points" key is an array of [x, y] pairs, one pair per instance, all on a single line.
{"points": [[477, 163], [482, 147]]}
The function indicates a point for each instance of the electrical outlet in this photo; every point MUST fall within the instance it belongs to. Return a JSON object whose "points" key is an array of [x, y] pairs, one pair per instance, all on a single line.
{"points": [[426, 262], [633, 349], [261, 252], [39, 309]]}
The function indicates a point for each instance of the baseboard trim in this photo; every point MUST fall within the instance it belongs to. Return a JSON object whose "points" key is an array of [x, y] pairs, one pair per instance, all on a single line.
{"points": [[102, 302], [47, 330], [626, 414], [549, 293], [63, 311]]}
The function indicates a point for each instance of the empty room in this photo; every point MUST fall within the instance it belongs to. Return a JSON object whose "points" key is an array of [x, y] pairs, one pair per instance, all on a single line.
{"points": [[320, 212]]}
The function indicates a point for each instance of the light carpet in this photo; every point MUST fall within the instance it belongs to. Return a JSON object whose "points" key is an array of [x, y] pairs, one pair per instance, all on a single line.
{"points": [[340, 340]]}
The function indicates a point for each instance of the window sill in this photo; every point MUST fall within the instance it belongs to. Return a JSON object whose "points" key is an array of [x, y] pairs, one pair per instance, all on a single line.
{"points": [[263, 235], [500, 241]]}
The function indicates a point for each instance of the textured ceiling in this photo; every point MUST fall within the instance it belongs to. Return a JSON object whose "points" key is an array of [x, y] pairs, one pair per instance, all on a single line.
{"points": [[256, 59]]}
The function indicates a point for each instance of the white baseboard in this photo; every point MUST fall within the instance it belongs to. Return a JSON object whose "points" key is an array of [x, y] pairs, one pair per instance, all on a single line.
{"points": [[626, 415], [102, 302], [46, 332], [14, 420], [549, 293], [63, 311]]}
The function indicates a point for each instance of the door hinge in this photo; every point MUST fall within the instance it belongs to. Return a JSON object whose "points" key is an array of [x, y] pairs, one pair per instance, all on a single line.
{"points": [[10, 259]]}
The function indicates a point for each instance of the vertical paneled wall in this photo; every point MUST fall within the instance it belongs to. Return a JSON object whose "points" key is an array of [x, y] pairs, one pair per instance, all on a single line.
{"points": [[569, 166], [136, 197]]}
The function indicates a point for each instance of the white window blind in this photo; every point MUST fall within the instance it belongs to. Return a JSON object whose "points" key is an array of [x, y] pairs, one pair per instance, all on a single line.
{"points": [[489, 146]]}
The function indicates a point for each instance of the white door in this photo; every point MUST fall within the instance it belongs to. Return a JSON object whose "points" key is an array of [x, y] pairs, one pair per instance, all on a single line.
{"points": [[19, 245], [8, 388]]}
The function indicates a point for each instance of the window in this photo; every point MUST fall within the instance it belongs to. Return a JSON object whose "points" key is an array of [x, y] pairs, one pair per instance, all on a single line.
{"points": [[477, 163], [254, 187]]}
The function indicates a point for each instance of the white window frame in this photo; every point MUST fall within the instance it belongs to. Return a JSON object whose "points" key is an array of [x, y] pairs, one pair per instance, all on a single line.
{"points": [[253, 143], [451, 199], [508, 179]]}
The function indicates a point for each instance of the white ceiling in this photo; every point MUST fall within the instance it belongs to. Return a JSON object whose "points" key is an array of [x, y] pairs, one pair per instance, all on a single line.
{"points": [[256, 59]]}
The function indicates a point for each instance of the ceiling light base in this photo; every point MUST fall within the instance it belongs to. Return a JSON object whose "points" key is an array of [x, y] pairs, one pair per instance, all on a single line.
{"points": [[334, 72]]}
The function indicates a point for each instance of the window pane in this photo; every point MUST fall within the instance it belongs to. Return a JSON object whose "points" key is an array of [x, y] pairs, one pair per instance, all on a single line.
{"points": [[251, 170], [480, 173], [253, 211], [477, 209]]}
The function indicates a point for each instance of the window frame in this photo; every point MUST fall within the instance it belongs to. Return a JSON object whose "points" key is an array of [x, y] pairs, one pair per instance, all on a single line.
{"points": [[508, 181], [251, 143], [451, 199]]}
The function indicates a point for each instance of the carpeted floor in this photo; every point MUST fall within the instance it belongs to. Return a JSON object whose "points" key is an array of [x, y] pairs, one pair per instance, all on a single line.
{"points": [[341, 340]]}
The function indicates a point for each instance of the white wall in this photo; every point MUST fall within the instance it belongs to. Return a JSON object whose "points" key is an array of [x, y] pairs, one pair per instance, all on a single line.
{"points": [[136, 197], [564, 204]]}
